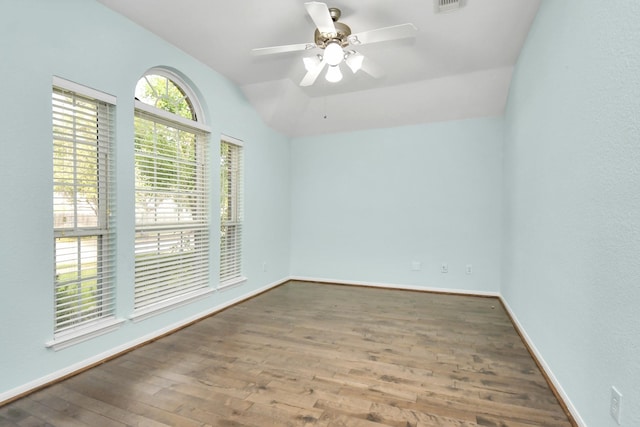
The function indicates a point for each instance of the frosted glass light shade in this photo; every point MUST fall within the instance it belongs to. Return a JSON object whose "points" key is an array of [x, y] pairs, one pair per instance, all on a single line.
{"points": [[334, 74], [354, 61], [333, 54]]}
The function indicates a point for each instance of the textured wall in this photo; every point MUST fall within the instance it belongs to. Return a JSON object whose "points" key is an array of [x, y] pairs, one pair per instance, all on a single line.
{"points": [[84, 42], [572, 200], [367, 204]]}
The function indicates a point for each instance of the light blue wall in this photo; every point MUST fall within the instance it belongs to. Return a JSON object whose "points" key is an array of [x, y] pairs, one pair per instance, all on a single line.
{"points": [[365, 205], [82, 41], [362, 206], [572, 200]]}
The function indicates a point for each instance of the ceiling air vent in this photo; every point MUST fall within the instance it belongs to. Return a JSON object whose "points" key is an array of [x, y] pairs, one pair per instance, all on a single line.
{"points": [[446, 5]]}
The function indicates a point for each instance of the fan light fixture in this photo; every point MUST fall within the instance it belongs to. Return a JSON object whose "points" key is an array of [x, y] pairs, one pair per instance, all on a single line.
{"points": [[333, 39], [333, 53], [354, 61], [334, 74]]}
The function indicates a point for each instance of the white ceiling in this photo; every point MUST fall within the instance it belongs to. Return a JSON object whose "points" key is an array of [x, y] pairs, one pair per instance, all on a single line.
{"points": [[458, 66]]}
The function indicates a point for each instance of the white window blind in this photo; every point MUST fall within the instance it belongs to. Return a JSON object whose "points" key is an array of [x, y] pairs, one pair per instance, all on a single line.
{"points": [[172, 230], [84, 233], [231, 212]]}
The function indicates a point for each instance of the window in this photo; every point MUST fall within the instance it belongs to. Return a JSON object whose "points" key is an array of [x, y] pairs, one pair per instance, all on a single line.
{"points": [[230, 212], [84, 232], [171, 196]]}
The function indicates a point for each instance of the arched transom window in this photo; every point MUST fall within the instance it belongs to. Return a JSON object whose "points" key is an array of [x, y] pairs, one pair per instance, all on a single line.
{"points": [[163, 93], [172, 197]]}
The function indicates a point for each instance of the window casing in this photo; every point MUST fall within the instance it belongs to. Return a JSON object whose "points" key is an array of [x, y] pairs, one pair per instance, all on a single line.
{"points": [[172, 254], [83, 210], [231, 211]]}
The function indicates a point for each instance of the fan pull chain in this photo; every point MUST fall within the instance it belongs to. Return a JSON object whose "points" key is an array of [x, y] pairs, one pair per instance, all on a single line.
{"points": [[325, 107]]}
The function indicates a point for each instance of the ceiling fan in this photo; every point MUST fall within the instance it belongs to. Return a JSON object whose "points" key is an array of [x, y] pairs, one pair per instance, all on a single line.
{"points": [[337, 42]]}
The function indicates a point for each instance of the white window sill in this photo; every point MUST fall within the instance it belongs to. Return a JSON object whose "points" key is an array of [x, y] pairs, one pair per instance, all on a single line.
{"points": [[76, 336], [169, 305], [232, 283]]}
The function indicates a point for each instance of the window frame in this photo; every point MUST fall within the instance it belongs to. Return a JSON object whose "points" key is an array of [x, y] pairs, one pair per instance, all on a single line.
{"points": [[231, 254], [201, 131], [68, 331]]}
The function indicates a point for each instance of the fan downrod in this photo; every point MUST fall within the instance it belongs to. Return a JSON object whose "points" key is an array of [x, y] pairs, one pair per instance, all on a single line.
{"points": [[335, 13]]}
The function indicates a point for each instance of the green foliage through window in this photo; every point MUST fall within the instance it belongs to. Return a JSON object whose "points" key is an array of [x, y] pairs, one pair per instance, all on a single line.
{"points": [[83, 232], [171, 196], [164, 94]]}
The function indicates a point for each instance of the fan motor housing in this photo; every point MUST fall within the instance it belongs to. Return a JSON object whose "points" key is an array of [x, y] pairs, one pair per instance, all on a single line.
{"points": [[341, 36]]}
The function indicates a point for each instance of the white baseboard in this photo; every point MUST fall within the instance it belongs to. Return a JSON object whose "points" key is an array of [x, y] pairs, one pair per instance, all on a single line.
{"points": [[80, 366], [397, 286], [77, 367], [563, 395], [547, 370]]}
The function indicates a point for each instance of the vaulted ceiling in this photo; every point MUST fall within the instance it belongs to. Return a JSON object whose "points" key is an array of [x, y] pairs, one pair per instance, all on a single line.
{"points": [[458, 65]]}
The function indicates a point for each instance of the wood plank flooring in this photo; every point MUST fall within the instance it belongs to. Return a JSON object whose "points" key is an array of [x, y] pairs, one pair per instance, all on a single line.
{"points": [[307, 354]]}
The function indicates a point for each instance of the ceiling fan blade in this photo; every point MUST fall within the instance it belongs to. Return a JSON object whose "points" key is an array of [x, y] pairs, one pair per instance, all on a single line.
{"points": [[311, 62], [395, 32], [319, 13], [283, 49], [312, 74]]}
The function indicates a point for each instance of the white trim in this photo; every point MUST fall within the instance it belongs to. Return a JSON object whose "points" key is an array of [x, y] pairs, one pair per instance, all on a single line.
{"points": [[231, 140], [73, 337], [28, 387], [398, 286], [169, 305], [188, 90], [83, 90], [565, 397], [236, 281], [76, 367], [150, 109]]}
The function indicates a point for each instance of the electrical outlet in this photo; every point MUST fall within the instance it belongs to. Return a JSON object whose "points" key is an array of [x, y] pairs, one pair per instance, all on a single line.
{"points": [[264, 266], [616, 404], [444, 268], [469, 269], [416, 265]]}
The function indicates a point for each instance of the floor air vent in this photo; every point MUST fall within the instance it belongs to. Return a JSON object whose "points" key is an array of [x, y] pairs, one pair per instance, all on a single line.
{"points": [[446, 5]]}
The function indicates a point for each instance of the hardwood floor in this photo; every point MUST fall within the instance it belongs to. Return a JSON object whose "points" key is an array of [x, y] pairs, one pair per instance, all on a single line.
{"points": [[308, 354]]}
